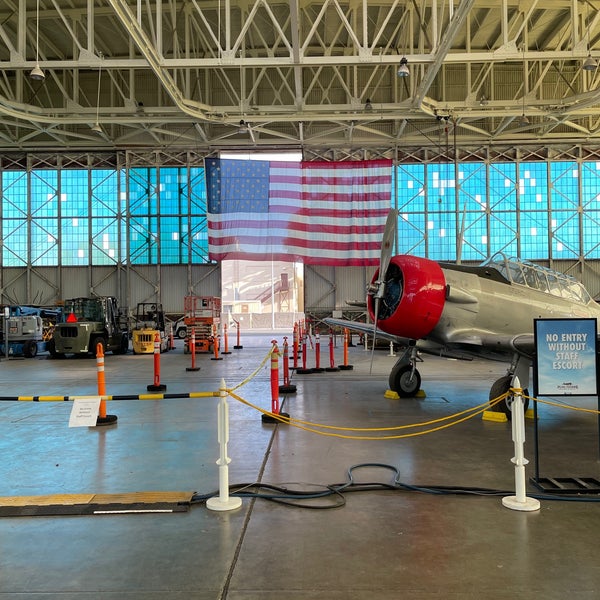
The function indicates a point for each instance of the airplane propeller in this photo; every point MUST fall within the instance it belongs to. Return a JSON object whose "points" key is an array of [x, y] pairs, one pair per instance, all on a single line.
{"points": [[377, 288]]}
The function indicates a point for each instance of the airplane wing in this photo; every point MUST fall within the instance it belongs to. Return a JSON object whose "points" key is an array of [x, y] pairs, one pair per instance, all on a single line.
{"points": [[464, 345], [367, 328]]}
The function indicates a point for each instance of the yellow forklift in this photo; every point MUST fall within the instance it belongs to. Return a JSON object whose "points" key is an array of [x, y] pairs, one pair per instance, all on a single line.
{"points": [[149, 321]]}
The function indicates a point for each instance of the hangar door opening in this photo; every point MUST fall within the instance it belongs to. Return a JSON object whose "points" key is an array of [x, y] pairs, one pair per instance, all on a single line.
{"points": [[262, 294]]}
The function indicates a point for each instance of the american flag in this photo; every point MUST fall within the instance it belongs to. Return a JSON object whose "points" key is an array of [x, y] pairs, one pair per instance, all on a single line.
{"points": [[320, 213]]}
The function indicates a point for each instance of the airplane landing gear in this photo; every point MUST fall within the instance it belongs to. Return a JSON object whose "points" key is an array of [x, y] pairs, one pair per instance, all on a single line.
{"points": [[405, 379], [501, 386]]}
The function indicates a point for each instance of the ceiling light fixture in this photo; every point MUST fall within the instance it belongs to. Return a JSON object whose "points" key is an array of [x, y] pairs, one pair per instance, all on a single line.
{"points": [[590, 63], [96, 128], [368, 105], [483, 101], [36, 73], [243, 127], [403, 70]]}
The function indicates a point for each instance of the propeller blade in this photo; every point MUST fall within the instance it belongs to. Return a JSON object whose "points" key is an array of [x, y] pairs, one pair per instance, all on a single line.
{"points": [[387, 245]]}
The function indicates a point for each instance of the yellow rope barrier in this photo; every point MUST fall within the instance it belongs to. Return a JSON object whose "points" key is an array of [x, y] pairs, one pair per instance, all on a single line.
{"points": [[314, 427]]}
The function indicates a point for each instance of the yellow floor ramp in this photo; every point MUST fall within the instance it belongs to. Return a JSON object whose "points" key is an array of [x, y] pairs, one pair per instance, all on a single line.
{"points": [[95, 504]]}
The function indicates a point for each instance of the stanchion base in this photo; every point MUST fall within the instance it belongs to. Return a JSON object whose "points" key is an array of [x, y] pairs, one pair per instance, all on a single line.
{"points": [[304, 371], [161, 387], [287, 389], [238, 347], [271, 419], [107, 420], [217, 504], [528, 505], [318, 370], [215, 358], [192, 368], [332, 369], [346, 367], [226, 352]]}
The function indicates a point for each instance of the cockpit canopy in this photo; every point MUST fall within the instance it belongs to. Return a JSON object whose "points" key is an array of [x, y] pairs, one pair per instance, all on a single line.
{"points": [[540, 278]]}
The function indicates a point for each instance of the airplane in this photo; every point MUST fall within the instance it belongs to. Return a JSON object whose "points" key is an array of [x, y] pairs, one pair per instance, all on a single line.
{"points": [[459, 311]]}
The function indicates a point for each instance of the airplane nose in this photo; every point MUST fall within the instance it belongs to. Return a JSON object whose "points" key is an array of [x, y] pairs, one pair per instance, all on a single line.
{"points": [[414, 297]]}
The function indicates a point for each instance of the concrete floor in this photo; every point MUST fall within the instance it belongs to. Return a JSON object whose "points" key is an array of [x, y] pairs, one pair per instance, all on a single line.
{"points": [[380, 544]]}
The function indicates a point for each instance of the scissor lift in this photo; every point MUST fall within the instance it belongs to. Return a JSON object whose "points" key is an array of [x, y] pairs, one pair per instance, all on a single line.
{"points": [[202, 316]]}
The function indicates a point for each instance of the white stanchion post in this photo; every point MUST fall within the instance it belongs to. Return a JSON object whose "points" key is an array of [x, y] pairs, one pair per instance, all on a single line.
{"points": [[392, 353], [223, 501], [519, 501]]}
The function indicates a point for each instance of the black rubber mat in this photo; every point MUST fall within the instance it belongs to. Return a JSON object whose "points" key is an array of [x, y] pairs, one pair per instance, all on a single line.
{"points": [[95, 504]]}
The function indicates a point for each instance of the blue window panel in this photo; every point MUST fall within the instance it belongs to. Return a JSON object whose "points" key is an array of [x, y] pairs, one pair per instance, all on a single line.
{"points": [[196, 191], [441, 235], [171, 249], [441, 185], [75, 235], [472, 187], [105, 193], [533, 235], [105, 241], [14, 194], [172, 201], [198, 245], [15, 238], [533, 186], [503, 233], [74, 193], [502, 179], [590, 185], [143, 241], [565, 185], [410, 188], [143, 197], [44, 194], [591, 239], [474, 243], [44, 242], [565, 234], [411, 234]]}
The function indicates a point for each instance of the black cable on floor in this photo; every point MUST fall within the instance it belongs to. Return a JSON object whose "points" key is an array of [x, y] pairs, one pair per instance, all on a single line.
{"points": [[336, 491]]}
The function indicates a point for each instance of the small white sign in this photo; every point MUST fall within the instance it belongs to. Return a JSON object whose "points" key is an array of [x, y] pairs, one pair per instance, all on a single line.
{"points": [[85, 411]]}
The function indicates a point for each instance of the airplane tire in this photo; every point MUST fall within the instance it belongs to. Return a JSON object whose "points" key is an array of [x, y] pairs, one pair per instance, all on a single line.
{"points": [[402, 383], [501, 386]]}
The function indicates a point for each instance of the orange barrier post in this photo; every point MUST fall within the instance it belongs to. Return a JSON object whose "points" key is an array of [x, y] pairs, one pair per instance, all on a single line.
{"points": [[270, 418], [171, 340], [304, 370], [216, 341], [103, 418], [193, 351], [331, 366], [238, 346], [226, 340], [346, 366], [295, 345], [318, 368], [287, 387], [157, 386]]}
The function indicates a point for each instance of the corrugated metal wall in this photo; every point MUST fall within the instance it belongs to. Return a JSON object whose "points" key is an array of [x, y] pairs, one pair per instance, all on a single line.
{"points": [[329, 288], [168, 284]]}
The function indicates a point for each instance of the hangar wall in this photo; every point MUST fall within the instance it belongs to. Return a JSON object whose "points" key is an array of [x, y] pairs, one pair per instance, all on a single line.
{"points": [[166, 284]]}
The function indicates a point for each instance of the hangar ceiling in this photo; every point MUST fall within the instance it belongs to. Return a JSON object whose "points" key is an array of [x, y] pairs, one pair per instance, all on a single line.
{"points": [[316, 75]]}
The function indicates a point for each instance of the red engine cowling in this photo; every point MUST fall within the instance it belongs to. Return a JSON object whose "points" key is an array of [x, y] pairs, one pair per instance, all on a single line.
{"points": [[414, 297]]}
